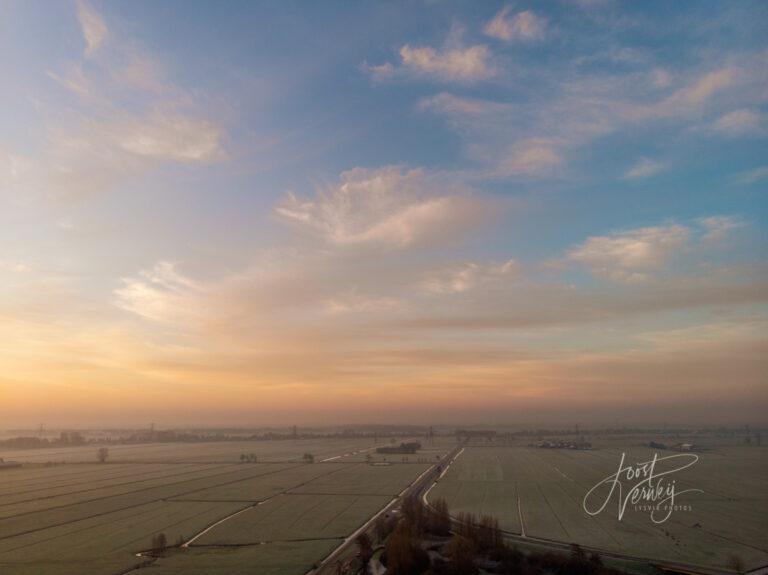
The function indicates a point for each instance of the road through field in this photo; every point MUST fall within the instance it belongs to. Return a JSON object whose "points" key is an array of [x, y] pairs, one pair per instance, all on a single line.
{"points": [[418, 488]]}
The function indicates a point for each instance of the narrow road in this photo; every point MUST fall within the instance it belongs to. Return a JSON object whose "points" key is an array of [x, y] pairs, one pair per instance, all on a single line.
{"points": [[418, 488]]}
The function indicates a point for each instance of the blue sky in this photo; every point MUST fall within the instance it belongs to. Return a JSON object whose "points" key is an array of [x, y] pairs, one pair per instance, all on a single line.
{"points": [[334, 202]]}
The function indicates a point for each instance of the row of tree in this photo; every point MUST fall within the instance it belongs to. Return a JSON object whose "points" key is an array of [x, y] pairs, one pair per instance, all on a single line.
{"points": [[462, 544]]}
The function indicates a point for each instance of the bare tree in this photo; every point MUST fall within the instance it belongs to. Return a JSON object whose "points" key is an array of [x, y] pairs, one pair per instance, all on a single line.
{"points": [[365, 548], [440, 519], [461, 552], [308, 457], [159, 544], [735, 563], [102, 454]]}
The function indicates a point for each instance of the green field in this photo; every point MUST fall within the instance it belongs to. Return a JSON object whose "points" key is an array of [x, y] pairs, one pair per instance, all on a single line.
{"points": [[86, 517], [731, 517]]}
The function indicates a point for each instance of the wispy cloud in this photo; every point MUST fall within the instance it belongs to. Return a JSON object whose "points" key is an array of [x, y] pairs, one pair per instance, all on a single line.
{"points": [[531, 137], [94, 29], [524, 26], [534, 157], [718, 228], [121, 118], [644, 168], [463, 277], [631, 255], [385, 207], [451, 63], [635, 255], [753, 176], [740, 123]]}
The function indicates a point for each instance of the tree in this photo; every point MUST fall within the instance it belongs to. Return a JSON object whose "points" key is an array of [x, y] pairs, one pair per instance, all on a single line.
{"points": [[159, 544], [404, 555], [308, 458], [415, 514], [735, 563], [383, 527], [102, 454], [489, 535], [461, 552], [242, 458], [365, 549], [467, 526], [440, 519]]}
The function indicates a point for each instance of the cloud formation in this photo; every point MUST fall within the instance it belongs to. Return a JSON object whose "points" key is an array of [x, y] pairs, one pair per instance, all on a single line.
{"points": [[466, 276], [92, 24], [386, 207], [740, 122], [636, 255], [452, 63], [122, 119], [753, 176], [644, 168], [524, 26], [631, 255]]}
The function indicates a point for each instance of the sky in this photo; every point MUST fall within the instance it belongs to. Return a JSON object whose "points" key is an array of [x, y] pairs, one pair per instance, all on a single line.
{"points": [[252, 213]]}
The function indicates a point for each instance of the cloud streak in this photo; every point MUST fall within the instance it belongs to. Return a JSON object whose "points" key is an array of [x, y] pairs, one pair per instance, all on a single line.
{"points": [[524, 26], [93, 27], [388, 207]]}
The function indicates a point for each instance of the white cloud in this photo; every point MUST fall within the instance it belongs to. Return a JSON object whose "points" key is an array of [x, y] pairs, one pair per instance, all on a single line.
{"points": [[740, 122], [630, 256], [531, 137], [381, 72], [160, 294], [385, 207], [124, 119], [718, 228], [466, 276], [354, 302], [523, 26], [644, 168], [445, 103], [97, 155], [449, 64], [753, 176], [166, 137], [456, 64], [531, 158], [689, 99], [94, 29]]}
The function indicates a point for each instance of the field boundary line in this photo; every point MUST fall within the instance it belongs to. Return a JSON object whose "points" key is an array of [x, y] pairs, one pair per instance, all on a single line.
{"points": [[347, 454], [187, 543]]}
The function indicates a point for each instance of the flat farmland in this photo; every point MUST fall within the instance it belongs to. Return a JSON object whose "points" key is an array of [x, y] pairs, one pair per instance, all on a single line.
{"points": [[203, 452], [94, 518], [545, 488]]}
